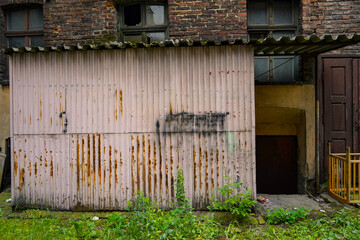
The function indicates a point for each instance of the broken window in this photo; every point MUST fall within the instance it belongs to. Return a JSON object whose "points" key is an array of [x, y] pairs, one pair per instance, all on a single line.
{"points": [[143, 21], [25, 27], [274, 18]]}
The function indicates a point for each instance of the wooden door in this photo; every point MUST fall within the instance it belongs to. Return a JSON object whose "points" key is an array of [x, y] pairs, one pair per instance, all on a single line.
{"points": [[340, 105], [276, 164]]}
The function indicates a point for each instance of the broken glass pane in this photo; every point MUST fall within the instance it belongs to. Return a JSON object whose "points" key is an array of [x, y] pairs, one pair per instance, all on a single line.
{"points": [[37, 41], [16, 42], [132, 15], [261, 65], [257, 11], [36, 19], [156, 37], [279, 34], [16, 20], [283, 12], [155, 15]]}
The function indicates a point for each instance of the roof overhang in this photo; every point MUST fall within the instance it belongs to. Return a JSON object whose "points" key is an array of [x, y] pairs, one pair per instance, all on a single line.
{"points": [[299, 45]]}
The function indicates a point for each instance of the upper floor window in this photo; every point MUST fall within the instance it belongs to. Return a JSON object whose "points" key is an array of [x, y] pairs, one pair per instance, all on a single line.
{"points": [[145, 21], [24, 27], [274, 18]]}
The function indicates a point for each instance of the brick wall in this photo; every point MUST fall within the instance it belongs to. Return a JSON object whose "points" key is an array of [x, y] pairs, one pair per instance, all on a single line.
{"points": [[331, 17], [3, 61], [211, 19], [79, 21]]}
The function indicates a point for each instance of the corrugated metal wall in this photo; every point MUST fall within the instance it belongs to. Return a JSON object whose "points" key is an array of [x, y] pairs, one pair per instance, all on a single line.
{"points": [[89, 128]]}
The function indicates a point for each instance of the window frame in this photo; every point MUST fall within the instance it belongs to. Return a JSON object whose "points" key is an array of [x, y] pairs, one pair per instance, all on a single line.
{"points": [[143, 28], [27, 33], [271, 28]]}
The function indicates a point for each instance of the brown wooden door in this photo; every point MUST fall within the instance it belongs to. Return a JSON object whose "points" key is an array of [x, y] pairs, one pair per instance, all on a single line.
{"points": [[340, 93], [276, 164]]}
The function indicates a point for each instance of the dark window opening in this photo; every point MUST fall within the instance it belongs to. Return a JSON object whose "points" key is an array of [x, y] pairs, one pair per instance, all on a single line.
{"points": [[24, 27], [143, 21], [132, 15]]}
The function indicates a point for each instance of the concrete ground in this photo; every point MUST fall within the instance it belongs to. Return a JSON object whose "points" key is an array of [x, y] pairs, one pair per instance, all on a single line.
{"points": [[322, 203]]}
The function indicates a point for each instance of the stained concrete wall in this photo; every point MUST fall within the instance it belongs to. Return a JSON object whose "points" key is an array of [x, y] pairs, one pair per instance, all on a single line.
{"points": [[4, 115], [289, 110]]}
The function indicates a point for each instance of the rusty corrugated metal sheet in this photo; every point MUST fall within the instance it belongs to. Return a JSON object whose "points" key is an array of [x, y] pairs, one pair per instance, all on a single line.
{"points": [[103, 124]]}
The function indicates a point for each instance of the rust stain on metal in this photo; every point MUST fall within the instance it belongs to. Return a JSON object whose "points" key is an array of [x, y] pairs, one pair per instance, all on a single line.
{"points": [[116, 165], [212, 169], [143, 161], [132, 165], [149, 163], [94, 157], [155, 179], [41, 160], [40, 109], [29, 168], [78, 164], [51, 165], [83, 162], [50, 121], [46, 163], [21, 179], [171, 169], [121, 102], [171, 109], [35, 169], [99, 160], [15, 164], [200, 161], [194, 159], [138, 161], [217, 168], [88, 160], [30, 119], [160, 165], [115, 108], [206, 173], [110, 169]]}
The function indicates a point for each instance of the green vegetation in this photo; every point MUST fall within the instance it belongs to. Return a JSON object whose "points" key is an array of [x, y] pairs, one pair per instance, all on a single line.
{"points": [[238, 204], [281, 215], [146, 221]]}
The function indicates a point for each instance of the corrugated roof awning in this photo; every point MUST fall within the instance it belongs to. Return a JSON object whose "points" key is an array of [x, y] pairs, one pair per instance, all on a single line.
{"points": [[299, 45]]}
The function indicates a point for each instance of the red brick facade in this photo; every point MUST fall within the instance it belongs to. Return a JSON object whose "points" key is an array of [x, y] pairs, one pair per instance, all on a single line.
{"points": [[79, 21], [205, 20]]}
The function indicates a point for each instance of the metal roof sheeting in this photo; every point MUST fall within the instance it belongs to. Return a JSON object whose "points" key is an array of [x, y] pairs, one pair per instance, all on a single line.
{"points": [[298, 45]]}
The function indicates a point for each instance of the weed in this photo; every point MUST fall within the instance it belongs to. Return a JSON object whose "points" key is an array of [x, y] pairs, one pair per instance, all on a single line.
{"points": [[281, 215], [238, 204]]}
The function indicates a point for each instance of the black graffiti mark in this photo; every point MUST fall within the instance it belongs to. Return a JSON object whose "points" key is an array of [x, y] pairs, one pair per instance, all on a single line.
{"points": [[185, 122]]}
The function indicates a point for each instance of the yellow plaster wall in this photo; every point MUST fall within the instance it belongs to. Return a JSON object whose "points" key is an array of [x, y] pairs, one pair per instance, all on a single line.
{"points": [[283, 110], [4, 115]]}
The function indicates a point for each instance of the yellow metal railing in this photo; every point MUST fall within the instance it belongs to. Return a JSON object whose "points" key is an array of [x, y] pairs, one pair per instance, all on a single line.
{"points": [[344, 176]]}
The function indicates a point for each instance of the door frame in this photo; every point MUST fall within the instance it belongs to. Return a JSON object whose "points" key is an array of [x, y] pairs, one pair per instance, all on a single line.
{"points": [[321, 170]]}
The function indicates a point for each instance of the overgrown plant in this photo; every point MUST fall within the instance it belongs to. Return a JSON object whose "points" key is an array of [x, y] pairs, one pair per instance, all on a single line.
{"points": [[240, 204], [281, 215], [147, 221]]}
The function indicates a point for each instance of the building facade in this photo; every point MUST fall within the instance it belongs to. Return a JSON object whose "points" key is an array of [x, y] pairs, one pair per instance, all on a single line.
{"points": [[289, 96]]}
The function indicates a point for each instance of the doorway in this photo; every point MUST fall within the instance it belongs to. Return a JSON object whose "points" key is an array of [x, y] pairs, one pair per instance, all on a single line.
{"points": [[276, 164], [339, 116]]}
